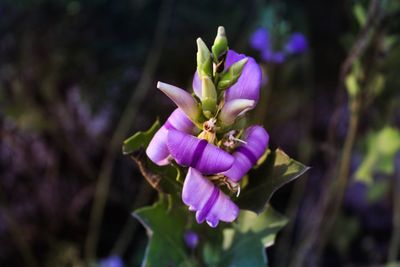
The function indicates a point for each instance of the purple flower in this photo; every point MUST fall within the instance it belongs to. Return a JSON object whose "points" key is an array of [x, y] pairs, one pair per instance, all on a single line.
{"points": [[215, 157], [191, 239], [209, 202], [296, 44], [113, 261], [246, 156], [157, 150]]}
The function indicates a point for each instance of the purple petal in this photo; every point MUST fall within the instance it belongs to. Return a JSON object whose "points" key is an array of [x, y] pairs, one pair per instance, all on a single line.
{"points": [[191, 151], [181, 98], [247, 155], [249, 83], [212, 205], [196, 84], [296, 44], [157, 150], [259, 40], [223, 210], [232, 57]]}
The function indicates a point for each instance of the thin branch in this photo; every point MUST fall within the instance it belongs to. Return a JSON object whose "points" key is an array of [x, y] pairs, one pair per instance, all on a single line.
{"points": [[137, 97]]}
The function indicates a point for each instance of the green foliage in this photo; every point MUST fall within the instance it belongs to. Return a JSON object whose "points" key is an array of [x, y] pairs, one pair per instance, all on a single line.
{"points": [[249, 237], [381, 149], [277, 170], [165, 225], [139, 139], [243, 243]]}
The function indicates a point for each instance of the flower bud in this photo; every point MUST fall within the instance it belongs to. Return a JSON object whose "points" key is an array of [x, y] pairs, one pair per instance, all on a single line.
{"points": [[208, 97], [182, 99], [220, 46], [234, 109], [230, 76], [204, 60], [191, 239]]}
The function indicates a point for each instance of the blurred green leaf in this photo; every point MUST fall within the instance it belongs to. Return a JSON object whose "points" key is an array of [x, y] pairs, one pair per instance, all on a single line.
{"points": [[381, 149], [211, 254], [277, 170], [352, 85], [165, 225], [139, 139], [359, 13], [377, 84], [376, 192], [245, 243]]}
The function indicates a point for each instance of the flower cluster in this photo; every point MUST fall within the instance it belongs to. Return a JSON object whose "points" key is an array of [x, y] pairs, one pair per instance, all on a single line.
{"points": [[207, 132], [262, 42]]}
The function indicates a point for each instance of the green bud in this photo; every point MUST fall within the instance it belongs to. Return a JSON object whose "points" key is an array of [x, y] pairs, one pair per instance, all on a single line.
{"points": [[204, 60], [220, 46], [230, 76], [208, 97]]}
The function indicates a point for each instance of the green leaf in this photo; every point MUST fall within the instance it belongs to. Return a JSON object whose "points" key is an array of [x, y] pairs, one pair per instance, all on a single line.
{"points": [[245, 243], [139, 139], [165, 225], [277, 170]]}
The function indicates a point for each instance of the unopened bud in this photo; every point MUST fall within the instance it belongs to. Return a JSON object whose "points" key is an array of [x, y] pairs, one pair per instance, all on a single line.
{"points": [[234, 109], [208, 97], [204, 60], [220, 46], [182, 99], [230, 77]]}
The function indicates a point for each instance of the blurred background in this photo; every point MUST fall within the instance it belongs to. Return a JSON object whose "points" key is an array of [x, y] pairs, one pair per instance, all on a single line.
{"points": [[78, 77]]}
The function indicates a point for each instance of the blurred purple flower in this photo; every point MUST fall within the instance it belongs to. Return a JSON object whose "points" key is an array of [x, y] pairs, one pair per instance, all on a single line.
{"points": [[191, 239], [113, 261], [296, 44], [261, 41]]}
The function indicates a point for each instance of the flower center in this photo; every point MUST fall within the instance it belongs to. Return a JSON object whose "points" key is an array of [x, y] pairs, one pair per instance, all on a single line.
{"points": [[208, 132]]}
